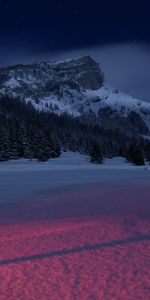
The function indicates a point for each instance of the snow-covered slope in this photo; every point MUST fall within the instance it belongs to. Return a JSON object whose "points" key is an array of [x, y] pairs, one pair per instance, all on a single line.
{"points": [[120, 103], [74, 86], [26, 179]]}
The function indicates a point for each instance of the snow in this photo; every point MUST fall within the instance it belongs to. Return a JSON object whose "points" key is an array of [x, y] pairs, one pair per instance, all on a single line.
{"points": [[68, 205], [73, 101], [25, 179], [12, 83], [62, 106], [68, 214], [146, 137], [122, 104], [117, 100], [77, 103], [67, 161]]}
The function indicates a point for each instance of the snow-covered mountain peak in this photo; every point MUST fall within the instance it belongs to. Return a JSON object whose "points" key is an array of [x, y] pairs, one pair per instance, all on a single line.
{"points": [[75, 86], [83, 71]]}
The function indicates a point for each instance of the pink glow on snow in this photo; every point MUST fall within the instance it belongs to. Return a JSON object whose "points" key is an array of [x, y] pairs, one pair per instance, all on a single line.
{"points": [[74, 255]]}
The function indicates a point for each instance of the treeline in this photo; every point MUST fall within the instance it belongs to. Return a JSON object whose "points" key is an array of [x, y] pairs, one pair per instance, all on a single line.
{"points": [[28, 133]]}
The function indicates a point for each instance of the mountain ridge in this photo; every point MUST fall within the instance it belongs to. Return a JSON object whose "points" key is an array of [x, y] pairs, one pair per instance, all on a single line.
{"points": [[73, 86]]}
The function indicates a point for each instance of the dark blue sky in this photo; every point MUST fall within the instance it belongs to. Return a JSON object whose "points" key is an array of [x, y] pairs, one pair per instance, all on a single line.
{"points": [[115, 33], [56, 25]]}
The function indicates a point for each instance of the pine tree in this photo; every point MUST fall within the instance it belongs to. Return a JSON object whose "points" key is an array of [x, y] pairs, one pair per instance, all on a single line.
{"points": [[54, 146], [28, 151], [135, 155], [96, 154], [2, 147], [35, 142], [43, 151], [12, 142]]}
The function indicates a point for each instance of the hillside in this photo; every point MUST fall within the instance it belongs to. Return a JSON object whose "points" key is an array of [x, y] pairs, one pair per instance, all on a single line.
{"points": [[67, 105], [74, 86]]}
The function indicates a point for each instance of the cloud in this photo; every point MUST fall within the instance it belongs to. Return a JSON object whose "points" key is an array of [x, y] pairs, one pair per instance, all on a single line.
{"points": [[126, 66]]}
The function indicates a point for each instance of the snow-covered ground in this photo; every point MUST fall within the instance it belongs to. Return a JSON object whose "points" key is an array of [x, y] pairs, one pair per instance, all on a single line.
{"points": [[84, 236], [68, 160], [25, 179]]}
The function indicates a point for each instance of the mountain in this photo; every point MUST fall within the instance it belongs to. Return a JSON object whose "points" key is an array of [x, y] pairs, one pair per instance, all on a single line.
{"points": [[67, 104], [75, 86]]}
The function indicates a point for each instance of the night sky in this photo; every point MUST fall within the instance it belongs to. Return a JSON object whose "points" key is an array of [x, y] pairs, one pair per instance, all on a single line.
{"points": [[114, 32], [56, 25]]}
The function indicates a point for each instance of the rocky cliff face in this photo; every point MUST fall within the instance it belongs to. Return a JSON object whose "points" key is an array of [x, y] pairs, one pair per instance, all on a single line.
{"points": [[84, 71], [75, 86], [81, 73]]}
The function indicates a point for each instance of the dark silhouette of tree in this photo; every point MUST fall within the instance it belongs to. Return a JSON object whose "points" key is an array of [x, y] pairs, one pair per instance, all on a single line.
{"points": [[135, 155], [28, 133], [96, 154]]}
